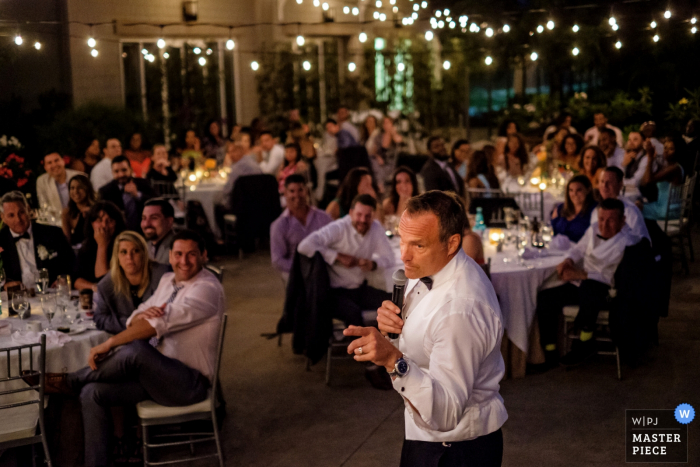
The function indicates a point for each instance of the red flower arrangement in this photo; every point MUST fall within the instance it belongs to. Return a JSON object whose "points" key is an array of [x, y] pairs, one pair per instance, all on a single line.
{"points": [[12, 164]]}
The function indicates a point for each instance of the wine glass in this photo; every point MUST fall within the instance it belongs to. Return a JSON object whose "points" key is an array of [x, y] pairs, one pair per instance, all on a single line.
{"points": [[2, 285], [547, 234], [48, 306], [522, 245], [41, 279], [20, 303]]}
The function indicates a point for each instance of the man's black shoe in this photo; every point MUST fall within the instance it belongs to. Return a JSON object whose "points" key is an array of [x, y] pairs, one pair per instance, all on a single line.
{"points": [[580, 352]]}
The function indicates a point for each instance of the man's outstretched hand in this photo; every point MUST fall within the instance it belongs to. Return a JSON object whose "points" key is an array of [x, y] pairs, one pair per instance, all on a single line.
{"points": [[375, 347]]}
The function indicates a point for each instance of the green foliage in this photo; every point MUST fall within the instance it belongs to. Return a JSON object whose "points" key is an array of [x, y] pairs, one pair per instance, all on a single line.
{"points": [[685, 109]]}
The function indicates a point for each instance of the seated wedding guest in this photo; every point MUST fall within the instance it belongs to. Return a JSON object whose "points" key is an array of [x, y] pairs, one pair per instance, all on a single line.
{"points": [[241, 165], [82, 197], [357, 182], [600, 122], [404, 185], [271, 155], [480, 174], [27, 246], [191, 155], [570, 150], [648, 130], [588, 270], [610, 186], [182, 319], [353, 246], [592, 163], [516, 161], [387, 144], [126, 192], [161, 172], [563, 121], [343, 119], [663, 175], [104, 222], [293, 164], [634, 164], [505, 129], [370, 130], [614, 154], [89, 159], [297, 221], [139, 158], [460, 157], [343, 137], [157, 222], [52, 187], [472, 244], [131, 280], [213, 145], [102, 172], [573, 217], [437, 172]]}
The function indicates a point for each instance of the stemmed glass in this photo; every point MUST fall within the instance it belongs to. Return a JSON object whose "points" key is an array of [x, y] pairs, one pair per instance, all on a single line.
{"points": [[2, 285], [522, 244], [41, 279], [20, 303], [48, 306]]}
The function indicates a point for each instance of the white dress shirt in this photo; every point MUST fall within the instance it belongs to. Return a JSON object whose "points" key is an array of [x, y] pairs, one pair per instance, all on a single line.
{"points": [[189, 329], [272, 159], [47, 191], [341, 237], [27, 258], [592, 134], [101, 174], [601, 257], [616, 159], [633, 218], [636, 179], [451, 340]]}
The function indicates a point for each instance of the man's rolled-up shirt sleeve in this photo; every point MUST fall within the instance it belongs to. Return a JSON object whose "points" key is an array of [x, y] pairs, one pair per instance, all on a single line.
{"points": [[461, 342], [320, 241], [279, 248]]}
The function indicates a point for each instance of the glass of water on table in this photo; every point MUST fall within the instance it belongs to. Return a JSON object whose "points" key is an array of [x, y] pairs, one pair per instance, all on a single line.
{"points": [[48, 306], [20, 303], [41, 279]]}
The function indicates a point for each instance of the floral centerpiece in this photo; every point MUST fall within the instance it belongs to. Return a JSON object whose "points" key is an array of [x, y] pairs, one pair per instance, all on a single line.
{"points": [[12, 165]]}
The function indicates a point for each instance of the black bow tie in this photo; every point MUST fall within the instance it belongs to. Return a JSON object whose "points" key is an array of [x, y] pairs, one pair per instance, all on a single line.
{"points": [[428, 282], [25, 235]]}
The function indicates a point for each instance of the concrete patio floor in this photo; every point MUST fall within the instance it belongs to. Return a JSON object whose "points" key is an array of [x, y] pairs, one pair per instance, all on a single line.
{"points": [[281, 415]]}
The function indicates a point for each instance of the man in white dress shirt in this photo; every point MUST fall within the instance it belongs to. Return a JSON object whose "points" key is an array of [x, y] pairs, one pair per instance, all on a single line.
{"points": [[610, 186], [352, 246], [102, 172], [271, 156], [589, 273], [52, 187], [174, 368], [446, 363], [600, 121]]}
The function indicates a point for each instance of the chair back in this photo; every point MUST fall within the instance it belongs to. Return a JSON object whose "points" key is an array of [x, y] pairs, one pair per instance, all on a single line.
{"points": [[486, 267], [530, 202], [30, 372], [680, 203], [256, 204], [167, 190], [484, 193], [492, 208], [217, 271], [217, 366]]}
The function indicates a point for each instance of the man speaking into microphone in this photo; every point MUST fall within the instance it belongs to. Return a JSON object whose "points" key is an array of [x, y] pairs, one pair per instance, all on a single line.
{"points": [[446, 362]]}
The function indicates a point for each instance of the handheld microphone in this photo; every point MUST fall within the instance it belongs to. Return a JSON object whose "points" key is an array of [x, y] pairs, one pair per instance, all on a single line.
{"points": [[400, 280]]}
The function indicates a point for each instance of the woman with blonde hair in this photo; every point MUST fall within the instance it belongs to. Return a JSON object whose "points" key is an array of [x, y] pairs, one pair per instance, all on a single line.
{"points": [[132, 279]]}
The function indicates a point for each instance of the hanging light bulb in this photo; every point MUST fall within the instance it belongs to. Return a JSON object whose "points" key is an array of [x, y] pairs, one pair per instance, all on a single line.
{"points": [[352, 67], [653, 25], [540, 29], [306, 65], [382, 17], [446, 64], [575, 51], [202, 61], [488, 60], [363, 37], [429, 36], [346, 10], [656, 38], [615, 27], [550, 24], [300, 40], [489, 32], [161, 43], [299, 2], [325, 6], [254, 65], [91, 42], [414, 16], [506, 28], [230, 44], [667, 14], [618, 45], [693, 20], [612, 20], [446, 12], [197, 50], [424, 5], [375, 15], [533, 56], [438, 14], [441, 24], [94, 53], [317, 3], [37, 45], [378, 4], [355, 11], [166, 55], [693, 30], [575, 28]]}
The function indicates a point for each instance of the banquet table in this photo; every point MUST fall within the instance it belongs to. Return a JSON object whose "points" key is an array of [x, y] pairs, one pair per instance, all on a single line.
{"points": [[516, 286], [209, 193]]}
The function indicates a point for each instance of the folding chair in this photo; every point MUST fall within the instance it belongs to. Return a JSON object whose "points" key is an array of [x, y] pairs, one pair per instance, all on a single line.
{"points": [[603, 323], [531, 202], [152, 414], [217, 271], [21, 406], [677, 222]]}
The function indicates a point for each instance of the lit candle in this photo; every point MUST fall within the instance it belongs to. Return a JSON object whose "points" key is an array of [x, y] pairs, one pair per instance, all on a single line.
{"points": [[543, 186], [535, 180], [495, 235]]}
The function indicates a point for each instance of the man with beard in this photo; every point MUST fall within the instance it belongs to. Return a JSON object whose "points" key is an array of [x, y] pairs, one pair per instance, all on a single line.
{"points": [[352, 246], [437, 172], [607, 143], [157, 222], [127, 193], [634, 164]]}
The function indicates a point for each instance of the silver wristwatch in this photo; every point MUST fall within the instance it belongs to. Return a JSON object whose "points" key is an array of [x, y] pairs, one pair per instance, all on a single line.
{"points": [[401, 367]]}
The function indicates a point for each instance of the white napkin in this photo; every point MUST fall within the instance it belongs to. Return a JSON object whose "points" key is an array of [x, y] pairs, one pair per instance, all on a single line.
{"points": [[31, 337], [560, 242], [530, 253]]}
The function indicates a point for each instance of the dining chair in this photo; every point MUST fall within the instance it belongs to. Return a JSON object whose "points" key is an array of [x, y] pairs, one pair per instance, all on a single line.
{"points": [[152, 414], [603, 323], [22, 406], [218, 271], [529, 201], [678, 220]]}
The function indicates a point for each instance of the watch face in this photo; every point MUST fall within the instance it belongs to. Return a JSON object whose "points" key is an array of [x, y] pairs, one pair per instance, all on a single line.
{"points": [[401, 367]]}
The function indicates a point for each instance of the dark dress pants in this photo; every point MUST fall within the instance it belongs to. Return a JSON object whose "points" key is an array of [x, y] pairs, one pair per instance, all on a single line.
{"points": [[591, 297], [484, 451], [135, 372], [350, 303]]}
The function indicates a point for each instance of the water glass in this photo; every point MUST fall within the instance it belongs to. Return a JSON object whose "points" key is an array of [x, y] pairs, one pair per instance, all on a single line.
{"points": [[547, 234], [20, 303], [41, 279], [522, 245], [48, 306]]}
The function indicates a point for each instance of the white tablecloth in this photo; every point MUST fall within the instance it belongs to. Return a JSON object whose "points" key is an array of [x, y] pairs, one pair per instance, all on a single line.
{"points": [[516, 285], [209, 194]]}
